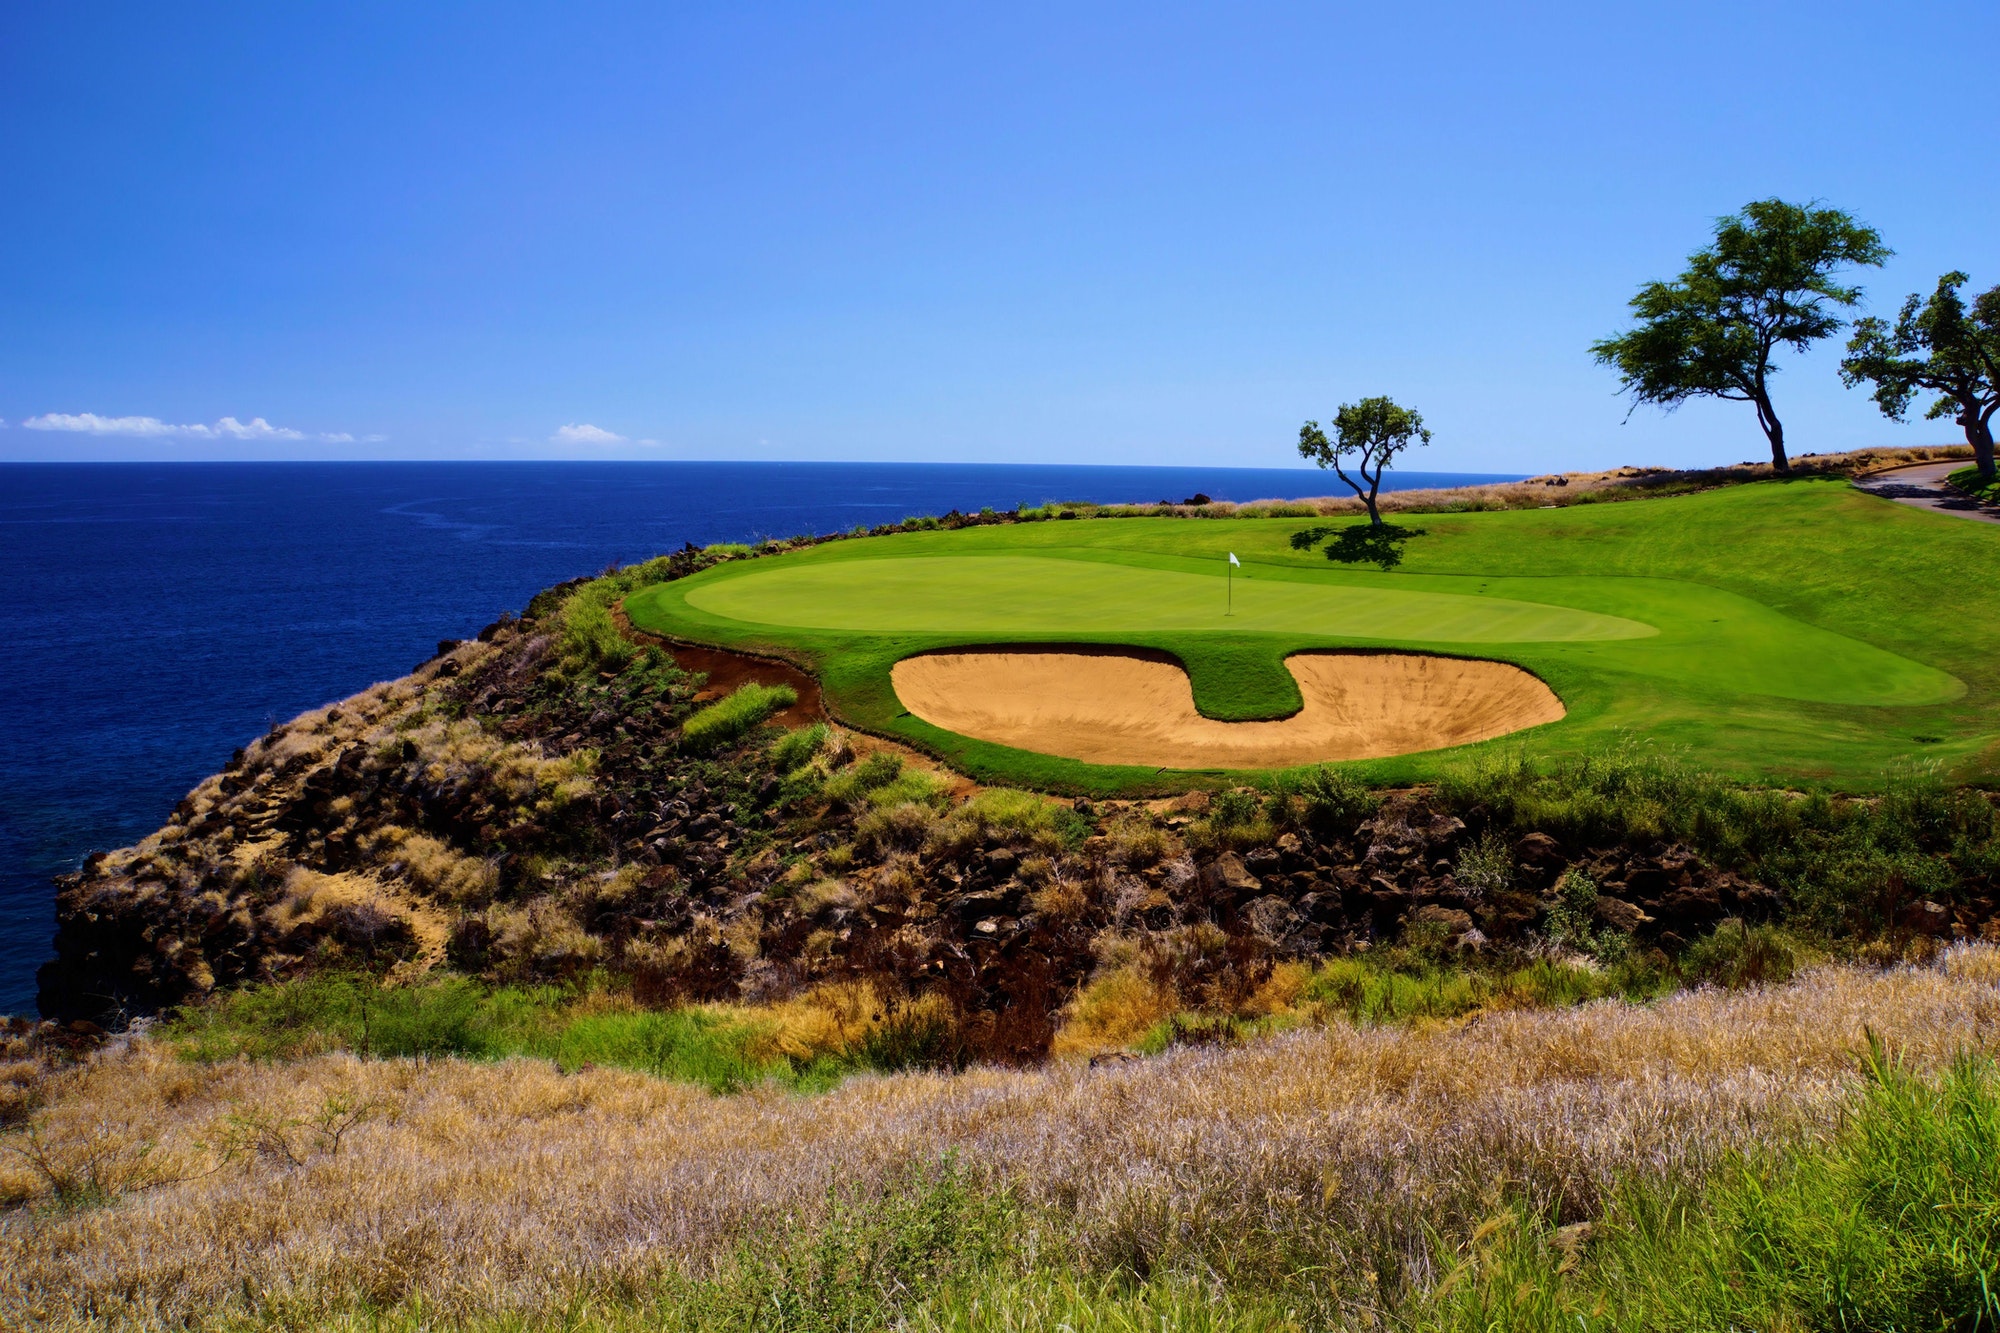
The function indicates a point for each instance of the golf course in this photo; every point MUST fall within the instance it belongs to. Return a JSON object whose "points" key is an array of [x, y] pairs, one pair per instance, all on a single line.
{"points": [[1793, 631]]}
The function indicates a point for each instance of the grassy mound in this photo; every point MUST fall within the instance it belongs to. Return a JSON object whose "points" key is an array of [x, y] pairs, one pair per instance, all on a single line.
{"points": [[728, 718]]}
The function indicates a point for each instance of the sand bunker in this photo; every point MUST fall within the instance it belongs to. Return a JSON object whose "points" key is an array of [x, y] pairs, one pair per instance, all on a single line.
{"points": [[1118, 708]]}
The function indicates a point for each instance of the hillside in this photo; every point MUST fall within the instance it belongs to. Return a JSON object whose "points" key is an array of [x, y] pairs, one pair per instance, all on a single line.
{"points": [[544, 898]]}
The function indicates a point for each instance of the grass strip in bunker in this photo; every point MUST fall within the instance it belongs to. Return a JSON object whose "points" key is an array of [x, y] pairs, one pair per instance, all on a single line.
{"points": [[1799, 632]]}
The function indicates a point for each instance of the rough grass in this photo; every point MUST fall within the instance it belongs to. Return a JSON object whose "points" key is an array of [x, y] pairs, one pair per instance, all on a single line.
{"points": [[730, 717], [1345, 1174], [1845, 866]]}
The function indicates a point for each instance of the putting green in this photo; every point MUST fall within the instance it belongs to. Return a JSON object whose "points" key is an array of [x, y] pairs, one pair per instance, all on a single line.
{"points": [[1039, 595]]}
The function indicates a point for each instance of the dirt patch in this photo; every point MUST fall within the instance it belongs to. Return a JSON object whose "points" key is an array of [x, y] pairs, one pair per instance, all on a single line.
{"points": [[726, 671], [1120, 708]]}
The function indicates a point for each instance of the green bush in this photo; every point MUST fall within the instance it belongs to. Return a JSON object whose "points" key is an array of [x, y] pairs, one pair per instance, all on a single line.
{"points": [[730, 717], [590, 638]]}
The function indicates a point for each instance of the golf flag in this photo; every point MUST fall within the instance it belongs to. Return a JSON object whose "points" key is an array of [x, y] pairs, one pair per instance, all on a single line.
{"points": [[1229, 593], [1234, 561]]}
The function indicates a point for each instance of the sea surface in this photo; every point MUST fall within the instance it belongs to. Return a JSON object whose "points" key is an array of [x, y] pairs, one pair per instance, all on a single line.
{"points": [[154, 617]]}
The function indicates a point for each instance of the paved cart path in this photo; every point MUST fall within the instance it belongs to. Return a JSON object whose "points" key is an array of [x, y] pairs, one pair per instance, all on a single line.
{"points": [[1922, 486]]}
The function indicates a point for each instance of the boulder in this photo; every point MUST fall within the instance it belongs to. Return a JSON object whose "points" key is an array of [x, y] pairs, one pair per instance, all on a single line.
{"points": [[1538, 850], [1228, 877], [1270, 918], [1454, 923], [1619, 915]]}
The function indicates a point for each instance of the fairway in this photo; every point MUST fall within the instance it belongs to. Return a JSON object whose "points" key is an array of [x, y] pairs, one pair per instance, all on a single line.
{"points": [[1790, 631], [1034, 594]]}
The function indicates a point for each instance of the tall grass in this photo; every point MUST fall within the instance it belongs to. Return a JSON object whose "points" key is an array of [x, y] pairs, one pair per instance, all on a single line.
{"points": [[1366, 1177], [1892, 1221]]}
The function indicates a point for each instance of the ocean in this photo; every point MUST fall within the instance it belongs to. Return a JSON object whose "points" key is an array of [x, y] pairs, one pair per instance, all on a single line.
{"points": [[156, 616]]}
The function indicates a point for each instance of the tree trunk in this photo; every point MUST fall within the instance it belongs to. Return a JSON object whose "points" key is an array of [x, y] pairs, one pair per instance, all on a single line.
{"points": [[1774, 431], [1374, 514], [1980, 436]]}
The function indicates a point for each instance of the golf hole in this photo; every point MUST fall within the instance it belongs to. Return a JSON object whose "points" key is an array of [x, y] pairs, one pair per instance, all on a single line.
{"points": [[1129, 708]]}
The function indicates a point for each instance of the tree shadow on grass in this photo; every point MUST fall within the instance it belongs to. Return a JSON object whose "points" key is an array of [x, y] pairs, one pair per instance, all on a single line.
{"points": [[1359, 543]]}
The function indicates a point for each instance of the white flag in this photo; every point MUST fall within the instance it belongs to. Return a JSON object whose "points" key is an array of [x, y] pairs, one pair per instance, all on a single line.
{"points": [[1234, 561]]}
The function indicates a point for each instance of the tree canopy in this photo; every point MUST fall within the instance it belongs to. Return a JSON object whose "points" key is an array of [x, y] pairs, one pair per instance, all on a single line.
{"points": [[1765, 282], [1936, 346], [1374, 431]]}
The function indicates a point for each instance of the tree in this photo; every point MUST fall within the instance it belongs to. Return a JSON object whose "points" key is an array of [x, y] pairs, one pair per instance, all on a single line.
{"points": [[1766, 282], [1939, 347], [1375, 430]]}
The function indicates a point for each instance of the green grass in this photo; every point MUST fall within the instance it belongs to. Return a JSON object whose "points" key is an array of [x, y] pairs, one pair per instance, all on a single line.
{"points": [[457, 1016], [1014, 594], [1799, 632], [1967, 480]]}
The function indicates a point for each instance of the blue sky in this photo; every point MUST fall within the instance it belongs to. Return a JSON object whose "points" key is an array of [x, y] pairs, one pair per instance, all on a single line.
{"points": [[1039, 233]]}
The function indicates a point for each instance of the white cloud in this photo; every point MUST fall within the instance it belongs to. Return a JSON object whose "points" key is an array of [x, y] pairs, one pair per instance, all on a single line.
{"points": [[255, 429], [579, 433], [228, 428], [89, 423]]}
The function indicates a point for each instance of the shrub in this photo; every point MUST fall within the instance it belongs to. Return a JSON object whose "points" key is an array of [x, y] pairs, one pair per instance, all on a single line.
{"points": [[1333, 801], [1004, 810], [1735, 956], [1572, 922], [902, 827], [1485, 867], [797, 747], [728, 718], [590, 637]]}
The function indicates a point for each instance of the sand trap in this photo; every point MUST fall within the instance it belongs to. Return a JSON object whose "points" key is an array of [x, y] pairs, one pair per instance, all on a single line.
{"points": [[1117, 708]]}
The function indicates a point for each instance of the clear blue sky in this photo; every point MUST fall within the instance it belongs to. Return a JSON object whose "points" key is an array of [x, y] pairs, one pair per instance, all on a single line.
{"points": [[1050, 233]]}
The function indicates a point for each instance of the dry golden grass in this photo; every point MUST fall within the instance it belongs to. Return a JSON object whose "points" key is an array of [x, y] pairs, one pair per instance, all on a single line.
{"points": [[1112, 1012], [512, 1187]]}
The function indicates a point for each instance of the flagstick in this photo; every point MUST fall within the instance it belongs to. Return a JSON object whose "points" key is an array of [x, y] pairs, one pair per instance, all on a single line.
{"points": [[1229, 606]]}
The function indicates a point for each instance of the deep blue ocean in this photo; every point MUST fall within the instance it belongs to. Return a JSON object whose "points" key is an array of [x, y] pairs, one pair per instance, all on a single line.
{"points": [[155, 617]]}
